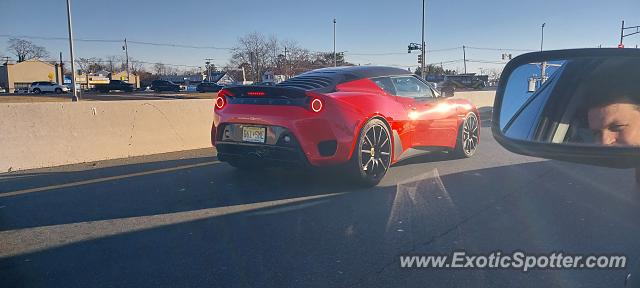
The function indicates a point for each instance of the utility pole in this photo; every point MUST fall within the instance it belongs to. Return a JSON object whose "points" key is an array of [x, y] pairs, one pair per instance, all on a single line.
{"points": [[254, 69], [62, 67], [464, 58], [73, 61], [209, 61], [622, 35], [335, 59], [423, 49], [543, 67], [286, 66], [126, 55]]}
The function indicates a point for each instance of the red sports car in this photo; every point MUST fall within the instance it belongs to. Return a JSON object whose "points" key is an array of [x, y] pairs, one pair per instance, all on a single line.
{"points": [[365, 118]]}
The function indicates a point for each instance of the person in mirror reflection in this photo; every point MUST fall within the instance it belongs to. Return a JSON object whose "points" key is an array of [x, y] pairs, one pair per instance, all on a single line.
{"points": [[613, 103], [616, 123]]}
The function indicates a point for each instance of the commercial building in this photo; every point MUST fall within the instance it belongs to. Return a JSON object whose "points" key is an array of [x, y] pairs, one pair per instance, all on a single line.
{"points": [[20, 75]]}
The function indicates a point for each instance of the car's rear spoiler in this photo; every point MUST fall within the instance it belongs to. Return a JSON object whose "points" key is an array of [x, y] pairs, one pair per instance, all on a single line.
{"points": [[264, 92]]}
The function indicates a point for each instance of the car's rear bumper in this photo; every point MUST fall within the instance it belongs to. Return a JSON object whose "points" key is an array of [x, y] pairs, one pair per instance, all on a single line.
{"points": [[323, 139]]}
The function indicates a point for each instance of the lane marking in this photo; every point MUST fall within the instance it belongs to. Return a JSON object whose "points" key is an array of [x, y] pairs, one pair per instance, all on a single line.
{"points": [[104, 179]]}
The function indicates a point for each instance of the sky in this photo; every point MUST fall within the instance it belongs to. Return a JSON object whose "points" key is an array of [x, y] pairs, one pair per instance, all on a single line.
{"points": [[371, 32]]}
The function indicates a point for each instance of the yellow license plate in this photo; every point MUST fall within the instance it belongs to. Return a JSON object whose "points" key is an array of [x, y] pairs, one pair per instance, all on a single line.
{"points": [[254, 134]]}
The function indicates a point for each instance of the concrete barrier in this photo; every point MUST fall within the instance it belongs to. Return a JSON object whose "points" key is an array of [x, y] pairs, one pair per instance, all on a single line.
{"points": [[34, 135], [479, 98]]}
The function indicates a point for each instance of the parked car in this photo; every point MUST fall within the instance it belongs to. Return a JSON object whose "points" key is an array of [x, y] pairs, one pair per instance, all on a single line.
{"points": [[114, 85], [2, 90], [21, 90], [377, 116], [163, 85], [47, 87], [208, 87]]}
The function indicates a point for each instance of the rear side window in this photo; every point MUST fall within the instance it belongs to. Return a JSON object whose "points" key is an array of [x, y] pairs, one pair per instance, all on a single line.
{"points": [[385, 84], [409, 86]]}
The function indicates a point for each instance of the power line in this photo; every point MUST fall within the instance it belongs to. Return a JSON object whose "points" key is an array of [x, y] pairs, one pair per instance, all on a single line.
{"points": [[116, 41], [175, 45], [500, 49], [133, 61]]}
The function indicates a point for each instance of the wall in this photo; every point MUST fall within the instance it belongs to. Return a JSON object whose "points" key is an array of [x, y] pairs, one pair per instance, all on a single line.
{"points": [[34, 135], [479, 98]]}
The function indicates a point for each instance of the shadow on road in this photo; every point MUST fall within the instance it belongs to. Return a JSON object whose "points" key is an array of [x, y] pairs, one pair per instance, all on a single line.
{"points": [[343, 237]]}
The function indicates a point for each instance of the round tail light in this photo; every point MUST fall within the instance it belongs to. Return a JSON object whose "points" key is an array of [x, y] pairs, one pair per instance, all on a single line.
{"points": [[220, 102], [316, 105]]}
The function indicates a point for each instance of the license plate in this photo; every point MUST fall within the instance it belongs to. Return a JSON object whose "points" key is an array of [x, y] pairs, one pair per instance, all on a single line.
{"points": [[254, 134]]}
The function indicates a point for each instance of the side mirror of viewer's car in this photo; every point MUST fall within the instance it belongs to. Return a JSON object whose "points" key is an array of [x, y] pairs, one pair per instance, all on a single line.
{"points": [[579, 105]]}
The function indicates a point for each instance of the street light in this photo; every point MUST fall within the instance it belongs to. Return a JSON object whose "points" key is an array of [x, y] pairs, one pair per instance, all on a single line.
{"points": [[73, 61], [335, 58], [542, 38], [543, 66], [423, 49]]}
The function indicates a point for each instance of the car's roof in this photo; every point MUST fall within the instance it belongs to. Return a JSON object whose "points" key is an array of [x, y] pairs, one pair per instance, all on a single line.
{"points": [[361, 71], [326, 79]]}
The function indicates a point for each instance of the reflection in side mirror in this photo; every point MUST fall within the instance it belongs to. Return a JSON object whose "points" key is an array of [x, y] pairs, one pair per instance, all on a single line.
{"points": [[579, 105]]}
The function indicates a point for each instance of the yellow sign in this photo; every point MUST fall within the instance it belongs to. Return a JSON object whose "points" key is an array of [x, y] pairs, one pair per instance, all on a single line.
{"points": [[122, 77], [50, 76]]}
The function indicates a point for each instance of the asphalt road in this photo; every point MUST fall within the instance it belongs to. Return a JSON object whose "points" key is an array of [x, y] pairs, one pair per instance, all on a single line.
{"points": [[186, 220]]}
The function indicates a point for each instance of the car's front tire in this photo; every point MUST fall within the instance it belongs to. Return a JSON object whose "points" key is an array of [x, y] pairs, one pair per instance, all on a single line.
{"points": [[468, 137], [372, 154], [58, 91], [37, 91]]}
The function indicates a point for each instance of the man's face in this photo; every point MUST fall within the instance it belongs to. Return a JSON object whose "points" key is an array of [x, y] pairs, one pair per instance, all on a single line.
{"points": [[616, 124]]}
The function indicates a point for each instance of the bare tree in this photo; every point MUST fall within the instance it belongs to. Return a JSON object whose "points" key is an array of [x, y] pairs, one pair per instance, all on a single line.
{"points": [[494, 73], [111, 63], [159, 69], [26, 50], [136, 66], [256, 50], [90, 65]]}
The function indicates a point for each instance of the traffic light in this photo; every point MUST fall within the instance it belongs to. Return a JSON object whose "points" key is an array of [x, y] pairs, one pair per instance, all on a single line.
{"points": [[420, 59]]}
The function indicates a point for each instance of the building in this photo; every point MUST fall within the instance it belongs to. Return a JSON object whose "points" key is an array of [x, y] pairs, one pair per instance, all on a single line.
{"points": [[87, 82], [222, 78], [271, 77], [186, 79], [20, 75]]}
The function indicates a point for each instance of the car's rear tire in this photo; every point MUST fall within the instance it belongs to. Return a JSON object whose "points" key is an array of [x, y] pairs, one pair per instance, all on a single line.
{"points": [[37, 91], [371, 157], [468, 137]]}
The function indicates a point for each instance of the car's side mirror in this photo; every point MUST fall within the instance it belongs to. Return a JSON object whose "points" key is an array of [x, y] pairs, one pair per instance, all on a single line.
{"points": [[580, 105]]}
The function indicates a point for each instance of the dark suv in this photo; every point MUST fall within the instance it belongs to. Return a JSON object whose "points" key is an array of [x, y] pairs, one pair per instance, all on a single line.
{"points": [[114, 85], [163, 85], [208, 87]]}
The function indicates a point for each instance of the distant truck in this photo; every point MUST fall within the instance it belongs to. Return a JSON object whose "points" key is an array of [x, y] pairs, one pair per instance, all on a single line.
{"points": [[114, 85]]}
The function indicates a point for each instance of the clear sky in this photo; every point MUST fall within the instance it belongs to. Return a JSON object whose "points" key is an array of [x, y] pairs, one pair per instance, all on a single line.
{"points": [[363, 27]]}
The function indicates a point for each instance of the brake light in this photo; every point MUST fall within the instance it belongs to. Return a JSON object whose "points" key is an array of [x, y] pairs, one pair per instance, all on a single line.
{"points": [[316, 105], [256, 93], [221, 100]]}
